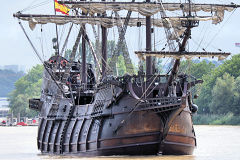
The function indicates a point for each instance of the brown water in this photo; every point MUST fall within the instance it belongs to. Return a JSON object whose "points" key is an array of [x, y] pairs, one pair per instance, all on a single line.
{"points": [[214, 143]]}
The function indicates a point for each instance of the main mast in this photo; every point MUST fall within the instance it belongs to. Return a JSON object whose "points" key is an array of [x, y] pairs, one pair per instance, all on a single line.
{"points": [[149, 64], [104, 48], [84, 68]]}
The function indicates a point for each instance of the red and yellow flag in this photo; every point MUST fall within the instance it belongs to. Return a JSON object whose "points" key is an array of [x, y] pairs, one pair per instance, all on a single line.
{"points": [[61, 8]]}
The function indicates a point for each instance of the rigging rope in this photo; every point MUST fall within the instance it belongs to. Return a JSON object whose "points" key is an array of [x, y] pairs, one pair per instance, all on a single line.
{"points": [[91, 46], [220, 28], [137, 103], [169, 33], [203, 36], [66, 41], [122, 45], [61, 35], [36, 5], [38, 55]]}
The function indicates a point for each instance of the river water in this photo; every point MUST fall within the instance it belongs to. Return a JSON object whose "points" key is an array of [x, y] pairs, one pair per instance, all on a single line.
{"points": [[214, 143]]}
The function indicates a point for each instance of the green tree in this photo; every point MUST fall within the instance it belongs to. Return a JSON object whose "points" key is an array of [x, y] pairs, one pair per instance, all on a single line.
{"points": [[89, 56], [29, 86], [231, 67], [121, 68], [223, 95], [196, 69], [235, 108], [110, 48]]}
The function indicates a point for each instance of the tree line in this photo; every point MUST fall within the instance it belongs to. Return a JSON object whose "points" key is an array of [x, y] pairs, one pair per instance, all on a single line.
{"points": [[219, 94], [27, 87]]}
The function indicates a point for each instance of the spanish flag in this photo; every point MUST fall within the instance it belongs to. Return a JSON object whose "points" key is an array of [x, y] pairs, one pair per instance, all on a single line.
{"points": [[61, 8]]}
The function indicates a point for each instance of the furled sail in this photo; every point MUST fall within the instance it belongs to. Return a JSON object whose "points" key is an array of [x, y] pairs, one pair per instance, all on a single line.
{"points": [[179, 55], [149, 9], [107, 22]]}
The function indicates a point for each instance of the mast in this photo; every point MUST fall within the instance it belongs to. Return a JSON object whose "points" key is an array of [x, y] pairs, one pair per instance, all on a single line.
{"points": [[104, 48], [84, 63], [84, 68], [57, 49], [188, 24], [148, 44]]}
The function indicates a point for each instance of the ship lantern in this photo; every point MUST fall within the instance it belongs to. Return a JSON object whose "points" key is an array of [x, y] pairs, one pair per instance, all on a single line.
{"points": [[54, 41]]}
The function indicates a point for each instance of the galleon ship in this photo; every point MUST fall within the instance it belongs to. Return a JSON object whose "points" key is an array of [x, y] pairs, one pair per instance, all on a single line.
{"points": [[88, 109]]}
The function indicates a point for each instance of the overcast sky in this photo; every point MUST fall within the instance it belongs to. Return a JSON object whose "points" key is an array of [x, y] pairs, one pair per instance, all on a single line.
{"points": [[15, 49]]}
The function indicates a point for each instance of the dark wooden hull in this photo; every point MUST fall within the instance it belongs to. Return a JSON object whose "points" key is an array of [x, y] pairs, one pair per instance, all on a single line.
{"points": [[117, 122], [181, 138], [94, 136]]}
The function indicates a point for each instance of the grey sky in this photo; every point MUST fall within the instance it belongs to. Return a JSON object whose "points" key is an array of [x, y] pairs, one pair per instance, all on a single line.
{"points": [[15, 49]]}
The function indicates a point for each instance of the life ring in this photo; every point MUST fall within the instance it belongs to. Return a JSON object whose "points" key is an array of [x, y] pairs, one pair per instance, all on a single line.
{"points": [[64, 63], [51, 61]]}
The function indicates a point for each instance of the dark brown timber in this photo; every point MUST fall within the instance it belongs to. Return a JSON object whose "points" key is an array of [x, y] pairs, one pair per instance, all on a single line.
{"points": [[104, 50], [84, 68], [84, 71], [148, 44]]}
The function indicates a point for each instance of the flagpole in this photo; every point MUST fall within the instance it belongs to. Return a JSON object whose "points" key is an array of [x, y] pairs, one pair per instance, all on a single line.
{"points": [[56, 29]]}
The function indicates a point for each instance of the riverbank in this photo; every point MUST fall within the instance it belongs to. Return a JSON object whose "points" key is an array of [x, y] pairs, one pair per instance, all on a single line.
{"points": [[212, 119]]}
